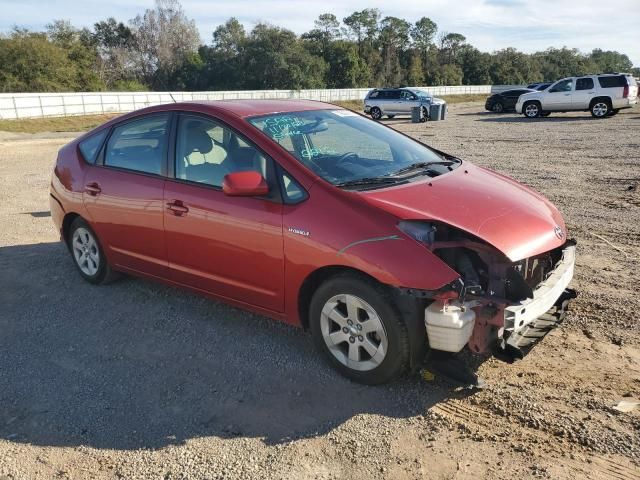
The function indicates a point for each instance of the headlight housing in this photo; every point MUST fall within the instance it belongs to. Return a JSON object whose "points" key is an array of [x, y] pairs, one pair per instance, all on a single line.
{"points": [[423, 232]]}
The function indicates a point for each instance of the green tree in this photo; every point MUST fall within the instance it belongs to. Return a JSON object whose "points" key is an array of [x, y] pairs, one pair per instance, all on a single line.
{"points": [[275, 58], [610, 61], [82, 52], [32, 63]]}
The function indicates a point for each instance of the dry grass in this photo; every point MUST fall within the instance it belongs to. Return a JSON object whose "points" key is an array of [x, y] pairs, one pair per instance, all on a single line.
{"points": [[54, 124]]}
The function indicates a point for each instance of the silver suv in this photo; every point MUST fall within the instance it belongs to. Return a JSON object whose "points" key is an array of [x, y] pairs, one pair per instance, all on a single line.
{"points": [[397, 101], [603, 95]]}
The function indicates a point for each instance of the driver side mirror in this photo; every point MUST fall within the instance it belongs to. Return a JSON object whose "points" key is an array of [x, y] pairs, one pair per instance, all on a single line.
{"points": [[245, 184]]}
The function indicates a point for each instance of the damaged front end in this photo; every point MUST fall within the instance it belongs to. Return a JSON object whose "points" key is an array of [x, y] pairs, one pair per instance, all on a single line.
{"points": [[497, 304]]}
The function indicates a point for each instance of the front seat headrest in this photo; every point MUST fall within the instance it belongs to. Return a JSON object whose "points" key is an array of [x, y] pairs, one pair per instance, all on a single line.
{"points": [[198, 140]]}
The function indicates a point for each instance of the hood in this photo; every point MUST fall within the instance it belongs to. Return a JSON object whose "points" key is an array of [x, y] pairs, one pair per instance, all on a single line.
{"points": [[513, 218], [534, 94]]}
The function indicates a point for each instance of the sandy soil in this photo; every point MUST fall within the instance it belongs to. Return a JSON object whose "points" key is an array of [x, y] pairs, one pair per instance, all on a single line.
{"points": [[135, 380]]}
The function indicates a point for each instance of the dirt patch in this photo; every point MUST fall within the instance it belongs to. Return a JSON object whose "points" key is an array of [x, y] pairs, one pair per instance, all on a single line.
{"points": [[137, 380]]}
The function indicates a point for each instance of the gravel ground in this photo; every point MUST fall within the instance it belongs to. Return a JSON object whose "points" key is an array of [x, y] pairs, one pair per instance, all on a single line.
{"points": [[137, 380]]}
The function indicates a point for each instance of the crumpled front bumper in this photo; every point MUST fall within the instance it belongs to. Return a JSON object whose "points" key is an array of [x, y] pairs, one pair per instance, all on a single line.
{"points": [[529, 321]]}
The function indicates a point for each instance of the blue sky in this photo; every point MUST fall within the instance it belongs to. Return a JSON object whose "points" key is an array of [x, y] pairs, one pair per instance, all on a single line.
{"points": [[488, 24]]}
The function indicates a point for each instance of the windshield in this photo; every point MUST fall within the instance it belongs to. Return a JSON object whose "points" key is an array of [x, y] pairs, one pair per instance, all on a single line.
{"points": [[347, 149], [422, 93]]}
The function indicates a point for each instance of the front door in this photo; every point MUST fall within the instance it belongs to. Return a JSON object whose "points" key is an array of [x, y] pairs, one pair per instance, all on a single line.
{"points": [[124, 195], [228, 246], [558, 97]]}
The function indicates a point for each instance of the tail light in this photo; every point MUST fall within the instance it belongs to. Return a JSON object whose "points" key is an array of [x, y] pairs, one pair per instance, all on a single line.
{"points": [[625, 92]]}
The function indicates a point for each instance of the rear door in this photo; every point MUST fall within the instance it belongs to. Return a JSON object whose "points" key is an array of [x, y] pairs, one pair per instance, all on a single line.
{"points": [[124, 194], [558, 96], [585, 90], [228, 246]]}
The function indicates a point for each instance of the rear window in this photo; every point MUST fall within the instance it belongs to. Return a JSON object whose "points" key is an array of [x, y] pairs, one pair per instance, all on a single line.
{"points": [[613, 81], [374, 94], [139, 145], [89, 147], [584, 83]]}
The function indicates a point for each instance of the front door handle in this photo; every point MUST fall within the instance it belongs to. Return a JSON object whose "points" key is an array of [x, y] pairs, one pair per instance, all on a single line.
{"points": [[177, 207], [92, 188]]}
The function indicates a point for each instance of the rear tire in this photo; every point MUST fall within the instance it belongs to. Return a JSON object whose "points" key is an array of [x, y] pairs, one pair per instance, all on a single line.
{"points": [[600, 108], [390, 116], [545, 114], [376, 113], [531, 110], [88, 255], [356, 324]]}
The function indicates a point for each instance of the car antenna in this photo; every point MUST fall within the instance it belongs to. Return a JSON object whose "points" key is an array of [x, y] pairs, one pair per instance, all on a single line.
{"points": [[171, 95]]}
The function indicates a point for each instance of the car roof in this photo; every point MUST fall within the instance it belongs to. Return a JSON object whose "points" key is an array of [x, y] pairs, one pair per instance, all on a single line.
{"points": [[239, 108], [253, 107]]}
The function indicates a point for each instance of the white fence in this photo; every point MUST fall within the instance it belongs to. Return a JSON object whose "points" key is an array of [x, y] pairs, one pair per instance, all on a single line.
{"points": [[34, 105]]}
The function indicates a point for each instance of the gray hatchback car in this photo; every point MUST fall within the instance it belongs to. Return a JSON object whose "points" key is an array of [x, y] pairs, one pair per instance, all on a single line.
{"points": [[397, 101]]}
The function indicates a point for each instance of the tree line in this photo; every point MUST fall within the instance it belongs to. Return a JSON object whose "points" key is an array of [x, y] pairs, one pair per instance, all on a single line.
{"points": [[161, 49]]}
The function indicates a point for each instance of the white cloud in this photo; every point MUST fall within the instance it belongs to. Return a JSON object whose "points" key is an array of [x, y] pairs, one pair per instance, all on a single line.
{"points": [[488, 24]]}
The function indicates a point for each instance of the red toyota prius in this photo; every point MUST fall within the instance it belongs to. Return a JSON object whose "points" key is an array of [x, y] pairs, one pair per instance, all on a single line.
{"points": [[381, 246]]}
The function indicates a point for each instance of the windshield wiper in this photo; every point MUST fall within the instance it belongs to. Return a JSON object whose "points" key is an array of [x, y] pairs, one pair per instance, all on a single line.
{"points": [[367, 181], [422, 166]]}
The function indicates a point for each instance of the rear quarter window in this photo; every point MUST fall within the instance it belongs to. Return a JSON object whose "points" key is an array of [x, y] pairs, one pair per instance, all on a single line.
{"points": [[90, 146], [612, 81]]}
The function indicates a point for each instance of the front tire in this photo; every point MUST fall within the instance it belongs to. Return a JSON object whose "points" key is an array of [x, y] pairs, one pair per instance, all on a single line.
{"points": [[356, 325], [498, 107], [376, 113], [532, 110], [545, 114], [87, 253], [390, 116], [600, 108], [614, 112]]}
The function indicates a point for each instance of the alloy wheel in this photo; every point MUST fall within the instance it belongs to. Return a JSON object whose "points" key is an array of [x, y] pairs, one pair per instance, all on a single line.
{"points": [[353, 332], [600, 109], [532, 110], [85, 251]]}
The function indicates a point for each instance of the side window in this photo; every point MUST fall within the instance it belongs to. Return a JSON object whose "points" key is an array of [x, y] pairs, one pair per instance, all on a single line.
{"points": [[89, 147], [612, 81], [206, 151], [374, 94], [292, 192], [140, 145], [406, 95], [562, 86], [393, 94], [584, 84]]}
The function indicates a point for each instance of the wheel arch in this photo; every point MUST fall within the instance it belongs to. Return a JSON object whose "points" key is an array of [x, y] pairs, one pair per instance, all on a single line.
{"points": [[605, 98], [67, 221], [410, 307], [316, 278]]}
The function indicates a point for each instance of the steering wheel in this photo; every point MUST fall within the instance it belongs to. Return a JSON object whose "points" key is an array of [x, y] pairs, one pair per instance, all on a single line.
{"points": [[346, 156]]}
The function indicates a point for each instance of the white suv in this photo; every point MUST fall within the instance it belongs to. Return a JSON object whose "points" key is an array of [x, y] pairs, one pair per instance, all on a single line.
{"points": [[603, 95]]}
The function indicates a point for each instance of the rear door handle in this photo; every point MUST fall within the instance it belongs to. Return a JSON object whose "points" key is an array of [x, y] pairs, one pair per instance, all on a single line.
{"points": [[177, 207], [92, 189]]}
